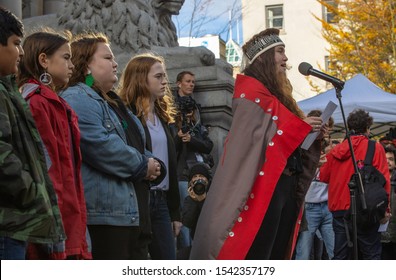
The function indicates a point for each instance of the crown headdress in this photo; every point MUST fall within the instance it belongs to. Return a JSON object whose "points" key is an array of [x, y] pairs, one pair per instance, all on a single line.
{"points": [[260, 46]]}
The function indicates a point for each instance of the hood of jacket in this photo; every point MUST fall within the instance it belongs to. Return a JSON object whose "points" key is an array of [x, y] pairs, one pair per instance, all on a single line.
{"points": [[342, 151]]}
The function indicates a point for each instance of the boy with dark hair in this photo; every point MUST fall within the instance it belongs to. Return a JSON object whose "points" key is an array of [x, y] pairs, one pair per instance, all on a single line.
{"points": [[28, 205]]}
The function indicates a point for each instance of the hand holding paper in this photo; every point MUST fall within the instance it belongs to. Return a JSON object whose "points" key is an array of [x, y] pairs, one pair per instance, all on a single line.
{"points": [[330, 108]]}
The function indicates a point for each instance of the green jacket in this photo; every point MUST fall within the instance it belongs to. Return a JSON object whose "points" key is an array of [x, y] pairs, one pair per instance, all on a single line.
{"points": [[28, 204]]}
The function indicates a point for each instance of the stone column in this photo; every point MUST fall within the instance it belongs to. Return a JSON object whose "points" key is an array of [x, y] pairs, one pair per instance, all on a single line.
{"points": [[36, 8], [215, 98], [15, 6], [53, 6]]}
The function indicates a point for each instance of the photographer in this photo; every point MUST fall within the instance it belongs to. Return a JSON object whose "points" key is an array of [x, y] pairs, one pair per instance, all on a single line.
{"points": [[192, 141], [198, 185]]}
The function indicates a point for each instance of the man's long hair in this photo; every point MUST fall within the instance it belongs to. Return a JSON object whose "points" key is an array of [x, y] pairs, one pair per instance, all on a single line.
{"points": [[263, 69]]}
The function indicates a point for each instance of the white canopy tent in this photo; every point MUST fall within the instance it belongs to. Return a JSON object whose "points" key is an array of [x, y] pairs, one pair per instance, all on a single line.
{"points": [[358, 92]]}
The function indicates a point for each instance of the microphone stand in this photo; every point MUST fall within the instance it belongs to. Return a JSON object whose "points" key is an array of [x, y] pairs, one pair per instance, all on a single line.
{"points": [[355, 184]]}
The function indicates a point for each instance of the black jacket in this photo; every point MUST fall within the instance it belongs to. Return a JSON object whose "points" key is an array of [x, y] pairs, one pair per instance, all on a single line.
{"points": [[186, 152], [190, 213]]}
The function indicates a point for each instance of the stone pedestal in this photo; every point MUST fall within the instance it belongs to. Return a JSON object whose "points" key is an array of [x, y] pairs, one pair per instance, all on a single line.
{"points": [[33, 9], [215, 98], [35, 23], [53, 6]]}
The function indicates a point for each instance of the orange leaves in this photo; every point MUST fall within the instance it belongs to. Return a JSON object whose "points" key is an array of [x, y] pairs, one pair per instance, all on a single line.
{"points": [[362, 39]]}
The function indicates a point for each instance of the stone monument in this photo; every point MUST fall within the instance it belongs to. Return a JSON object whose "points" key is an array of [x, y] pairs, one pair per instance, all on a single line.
{"points": [[135, 26]]}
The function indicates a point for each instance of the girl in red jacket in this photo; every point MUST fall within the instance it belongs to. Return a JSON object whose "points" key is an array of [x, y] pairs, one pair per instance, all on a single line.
{"points": [[45, 69]]}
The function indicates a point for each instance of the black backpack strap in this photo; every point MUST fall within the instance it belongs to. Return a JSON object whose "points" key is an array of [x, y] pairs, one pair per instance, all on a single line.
{"points": [[370, 152]]}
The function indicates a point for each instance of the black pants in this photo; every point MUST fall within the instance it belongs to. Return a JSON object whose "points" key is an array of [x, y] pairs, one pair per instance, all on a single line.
{"points": [[369, 241], [272, 239], [117, 243], [388, 251]]}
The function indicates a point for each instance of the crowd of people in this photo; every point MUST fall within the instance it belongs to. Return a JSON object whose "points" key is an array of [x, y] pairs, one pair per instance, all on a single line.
{"points": [[96, 168]]}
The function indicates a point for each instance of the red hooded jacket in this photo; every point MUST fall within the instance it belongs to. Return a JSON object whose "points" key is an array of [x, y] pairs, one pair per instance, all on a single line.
{"points": [[58, 127], [338, 169]]}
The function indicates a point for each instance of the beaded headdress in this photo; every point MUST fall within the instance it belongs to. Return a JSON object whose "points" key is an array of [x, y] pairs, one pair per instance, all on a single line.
{"points": [[261, 45]]}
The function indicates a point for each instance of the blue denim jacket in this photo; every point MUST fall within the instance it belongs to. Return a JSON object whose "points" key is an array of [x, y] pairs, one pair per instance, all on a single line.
{"points": [[109, 164]]}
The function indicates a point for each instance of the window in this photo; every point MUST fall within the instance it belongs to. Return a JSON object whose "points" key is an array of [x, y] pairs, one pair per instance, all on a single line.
{"points": [[274, 16], [233, 53], [327, 63], [328, 15], [327, 68]]}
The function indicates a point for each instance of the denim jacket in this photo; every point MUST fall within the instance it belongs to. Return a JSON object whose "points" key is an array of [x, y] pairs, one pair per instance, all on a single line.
{"points": [[109, 164]]}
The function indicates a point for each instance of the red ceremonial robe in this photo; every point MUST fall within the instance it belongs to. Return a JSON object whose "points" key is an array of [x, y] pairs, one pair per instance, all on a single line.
{"points": [[263, 134]]}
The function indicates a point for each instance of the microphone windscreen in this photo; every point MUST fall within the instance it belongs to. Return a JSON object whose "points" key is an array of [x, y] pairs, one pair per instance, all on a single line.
{"points": [[304, 68]]}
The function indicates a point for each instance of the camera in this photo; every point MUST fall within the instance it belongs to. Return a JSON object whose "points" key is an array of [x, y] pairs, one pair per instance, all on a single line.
{"points": [[185, 104], [185, 127], [199, 186]]}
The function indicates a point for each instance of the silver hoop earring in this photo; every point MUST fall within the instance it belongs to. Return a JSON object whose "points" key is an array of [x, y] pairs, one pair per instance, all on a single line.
{"points": [[45, 78]]}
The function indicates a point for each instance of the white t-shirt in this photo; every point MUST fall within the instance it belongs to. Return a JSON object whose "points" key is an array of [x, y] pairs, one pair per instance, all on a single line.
{"points": [[160, 149]]}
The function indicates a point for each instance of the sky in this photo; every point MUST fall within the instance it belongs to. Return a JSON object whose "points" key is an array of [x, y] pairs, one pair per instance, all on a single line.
{"points": [[212, 18]]}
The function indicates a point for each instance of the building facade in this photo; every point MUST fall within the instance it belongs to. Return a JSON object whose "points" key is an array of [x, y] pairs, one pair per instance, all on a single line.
{"points": [[300, 31], [212, 42], [229, 51]]}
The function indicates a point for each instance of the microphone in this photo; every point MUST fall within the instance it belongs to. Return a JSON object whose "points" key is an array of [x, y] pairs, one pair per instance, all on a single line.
{"points": [[306, 69]]}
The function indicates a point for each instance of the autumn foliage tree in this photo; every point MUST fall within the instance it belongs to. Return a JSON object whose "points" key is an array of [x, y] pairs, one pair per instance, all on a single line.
{"points": [[362, 39]]}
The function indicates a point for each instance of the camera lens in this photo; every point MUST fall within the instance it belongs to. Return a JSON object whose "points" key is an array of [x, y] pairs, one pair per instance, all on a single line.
{"points": [[199, 187]]}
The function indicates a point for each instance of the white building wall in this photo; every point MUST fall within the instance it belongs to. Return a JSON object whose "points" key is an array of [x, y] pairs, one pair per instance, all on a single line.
{"points": [[211, 42], [301, 34]]}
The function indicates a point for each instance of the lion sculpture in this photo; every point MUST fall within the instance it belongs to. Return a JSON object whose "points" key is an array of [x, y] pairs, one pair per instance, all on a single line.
{"points": [[130, 24]]}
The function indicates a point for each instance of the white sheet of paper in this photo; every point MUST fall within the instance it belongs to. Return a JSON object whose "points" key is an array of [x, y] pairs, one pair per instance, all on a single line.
{"points": [[328, 111], [383, 227]]}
